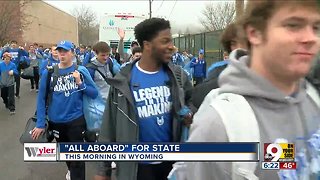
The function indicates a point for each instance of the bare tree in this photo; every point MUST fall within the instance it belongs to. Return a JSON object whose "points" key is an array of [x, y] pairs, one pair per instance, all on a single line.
{"points": [[216, 16], [13, 20], [88, 29]]}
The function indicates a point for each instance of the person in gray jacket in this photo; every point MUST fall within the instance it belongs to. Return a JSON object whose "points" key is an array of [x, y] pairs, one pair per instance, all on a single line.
{"points": [[101, 67], [7, 71], [126, 118], [283, 40]]}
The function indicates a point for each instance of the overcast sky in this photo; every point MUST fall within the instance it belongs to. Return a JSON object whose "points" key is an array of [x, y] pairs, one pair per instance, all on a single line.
{"points": [[181, 13]]}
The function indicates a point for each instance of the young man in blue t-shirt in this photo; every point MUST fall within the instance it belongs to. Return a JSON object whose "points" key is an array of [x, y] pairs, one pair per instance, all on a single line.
{"points": [[145, 101], [65, 103]]}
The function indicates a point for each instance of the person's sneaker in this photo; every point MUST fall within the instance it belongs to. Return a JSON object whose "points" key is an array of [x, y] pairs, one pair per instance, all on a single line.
{"points": [[32, 89], [113, 165], [37, 90], [12, 112], [68, 177], [17, 96]]}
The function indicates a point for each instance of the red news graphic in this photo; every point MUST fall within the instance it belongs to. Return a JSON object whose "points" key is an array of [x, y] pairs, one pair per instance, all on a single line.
{"points": [[288, 165], [40, 152], [279, 156]]}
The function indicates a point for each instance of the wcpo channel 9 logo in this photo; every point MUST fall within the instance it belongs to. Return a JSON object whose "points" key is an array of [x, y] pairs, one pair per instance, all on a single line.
{"points": [[279, 156], [40, 151], [282, 152]]}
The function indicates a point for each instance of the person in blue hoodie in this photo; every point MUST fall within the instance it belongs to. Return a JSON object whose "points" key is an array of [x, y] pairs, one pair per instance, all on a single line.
{"points": [[38, 49], [7, 71], [89, 55], [81, 53], [51, 61], [16, 54], [200, 66], [177, 58], [1, 52], [65, 105]]}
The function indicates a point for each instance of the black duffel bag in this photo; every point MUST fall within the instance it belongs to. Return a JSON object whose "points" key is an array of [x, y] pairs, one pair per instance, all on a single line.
{"points": [[26, 137]]}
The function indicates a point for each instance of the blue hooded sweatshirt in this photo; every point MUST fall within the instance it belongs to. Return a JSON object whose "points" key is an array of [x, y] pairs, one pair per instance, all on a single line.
{"points": [[48, 62], [16, 55], [178, 59], [7, 80], [216, 65], [81, 56], [89, 55], [67, 97], [199, 67]]}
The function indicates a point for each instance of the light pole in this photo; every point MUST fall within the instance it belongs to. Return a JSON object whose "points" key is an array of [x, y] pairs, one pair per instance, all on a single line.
{"points": [[150, 9]]}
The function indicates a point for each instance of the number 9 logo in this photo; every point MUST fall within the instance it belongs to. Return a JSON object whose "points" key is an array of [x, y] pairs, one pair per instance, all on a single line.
{"points": [[275, 150]]}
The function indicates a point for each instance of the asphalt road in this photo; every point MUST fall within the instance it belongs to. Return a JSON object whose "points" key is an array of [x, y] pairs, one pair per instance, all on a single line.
{"points": [[12, 166]]}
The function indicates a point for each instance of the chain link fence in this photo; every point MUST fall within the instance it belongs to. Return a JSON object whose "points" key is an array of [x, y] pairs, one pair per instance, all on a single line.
{"points": [[209, 41]]}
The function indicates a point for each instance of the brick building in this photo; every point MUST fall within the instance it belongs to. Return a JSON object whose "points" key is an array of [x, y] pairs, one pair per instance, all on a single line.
{"points": [[47, 26]]}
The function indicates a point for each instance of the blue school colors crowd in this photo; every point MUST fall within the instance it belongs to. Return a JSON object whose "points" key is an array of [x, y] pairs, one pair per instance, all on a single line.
{"points": [[31, 62], [157, 93]]}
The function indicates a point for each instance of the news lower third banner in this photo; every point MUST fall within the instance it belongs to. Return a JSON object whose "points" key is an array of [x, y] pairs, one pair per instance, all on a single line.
{"points": [[245, 152]]}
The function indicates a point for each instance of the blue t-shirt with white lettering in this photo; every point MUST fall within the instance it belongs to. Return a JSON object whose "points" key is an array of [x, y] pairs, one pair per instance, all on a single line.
{"points": [[153, 102]]}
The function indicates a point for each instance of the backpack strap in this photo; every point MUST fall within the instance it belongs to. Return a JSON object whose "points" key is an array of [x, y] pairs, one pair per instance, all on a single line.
{"points": [[313, 93], [237, 117], [48, 81], [54, 75], [76, 65], [94, 67], [110, 63], [178, 74]]}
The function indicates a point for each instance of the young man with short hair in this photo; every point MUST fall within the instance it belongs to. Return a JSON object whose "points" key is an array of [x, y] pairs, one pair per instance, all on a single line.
{"points": [[82, 53], [232, 40], [34, 60], [283, 39], [65, 103], [186, 57], [51, 61], [127, 119], [101, 67], [127, 57], [199, 66], [7, 71], [136, 54], [17, 52], [177, 58], [114, 54], [38, 49]]}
